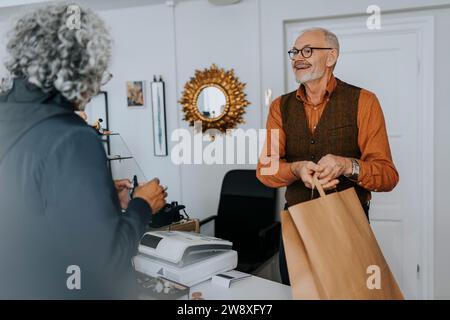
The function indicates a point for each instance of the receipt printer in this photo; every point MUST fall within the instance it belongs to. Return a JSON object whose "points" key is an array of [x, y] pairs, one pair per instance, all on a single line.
{"points": [[184, 257]]}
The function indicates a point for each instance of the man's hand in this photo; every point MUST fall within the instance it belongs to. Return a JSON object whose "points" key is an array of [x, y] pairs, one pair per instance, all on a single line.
{"points": [[122, 187], [153, 193], [334, 167], [305, 170]]}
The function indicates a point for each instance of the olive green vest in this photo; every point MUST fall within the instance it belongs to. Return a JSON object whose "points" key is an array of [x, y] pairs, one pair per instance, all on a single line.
{"points": [[336, 133]]}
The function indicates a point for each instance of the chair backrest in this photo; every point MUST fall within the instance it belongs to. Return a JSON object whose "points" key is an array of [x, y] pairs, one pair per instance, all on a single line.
{"points": [[245, 201]]}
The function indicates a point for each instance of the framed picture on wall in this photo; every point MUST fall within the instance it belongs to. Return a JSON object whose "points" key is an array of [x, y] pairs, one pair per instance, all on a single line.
{"points": [[136, 94], [159, 118]]}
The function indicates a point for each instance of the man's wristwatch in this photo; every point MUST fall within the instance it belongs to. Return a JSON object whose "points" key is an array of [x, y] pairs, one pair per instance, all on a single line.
{"points": [[355, 170]]}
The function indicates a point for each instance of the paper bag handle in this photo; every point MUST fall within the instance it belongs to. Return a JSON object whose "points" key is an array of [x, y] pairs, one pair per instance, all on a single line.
{"points": [[316, 184]]}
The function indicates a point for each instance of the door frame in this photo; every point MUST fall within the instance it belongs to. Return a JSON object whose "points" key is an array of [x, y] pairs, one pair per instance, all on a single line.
{"points": [[423, 27]]}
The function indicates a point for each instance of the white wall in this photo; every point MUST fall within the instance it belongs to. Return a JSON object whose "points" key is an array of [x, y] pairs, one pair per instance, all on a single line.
{"points": [[442, 158], [200, 40], [248, 37], [143, 47], [228, 37]]}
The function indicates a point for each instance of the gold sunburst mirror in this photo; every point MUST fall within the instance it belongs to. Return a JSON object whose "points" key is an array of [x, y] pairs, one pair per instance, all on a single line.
{"points": [[216, 98]]}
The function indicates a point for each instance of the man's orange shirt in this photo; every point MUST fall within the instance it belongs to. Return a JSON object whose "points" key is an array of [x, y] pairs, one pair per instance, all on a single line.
{"points": [[377, 170]]}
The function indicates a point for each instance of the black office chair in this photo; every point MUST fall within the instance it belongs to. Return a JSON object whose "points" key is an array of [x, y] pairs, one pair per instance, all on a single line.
{"points": [[246, 217]]}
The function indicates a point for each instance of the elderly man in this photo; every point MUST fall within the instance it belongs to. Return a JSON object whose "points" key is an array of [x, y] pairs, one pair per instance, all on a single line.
{"points": [[327, 128], [62, 230]]}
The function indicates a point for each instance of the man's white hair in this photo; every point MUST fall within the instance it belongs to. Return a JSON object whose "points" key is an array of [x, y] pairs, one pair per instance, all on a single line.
{"points": [[330, 38], [49, 54]]}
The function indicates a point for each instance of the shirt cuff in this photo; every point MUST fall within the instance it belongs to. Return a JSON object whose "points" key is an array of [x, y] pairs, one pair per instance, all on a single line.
{"points": [[365, 179], [286, 173]]}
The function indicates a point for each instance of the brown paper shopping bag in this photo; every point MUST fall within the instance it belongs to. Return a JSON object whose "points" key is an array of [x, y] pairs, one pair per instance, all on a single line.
{"points": [[331, 251]]}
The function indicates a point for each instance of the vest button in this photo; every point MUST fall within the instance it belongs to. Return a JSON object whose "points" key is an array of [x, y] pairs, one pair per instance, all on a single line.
{"points": [[312, 141], [313, 157]]}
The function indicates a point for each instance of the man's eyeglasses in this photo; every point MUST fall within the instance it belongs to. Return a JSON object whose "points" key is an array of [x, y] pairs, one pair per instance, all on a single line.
{"points": [[306, 51]]}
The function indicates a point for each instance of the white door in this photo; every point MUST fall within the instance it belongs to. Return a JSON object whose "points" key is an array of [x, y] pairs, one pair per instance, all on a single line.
{"points": [[386, 62]]}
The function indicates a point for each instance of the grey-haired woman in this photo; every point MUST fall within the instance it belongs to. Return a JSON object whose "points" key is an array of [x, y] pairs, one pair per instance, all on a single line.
{"points": [[62, 230]]}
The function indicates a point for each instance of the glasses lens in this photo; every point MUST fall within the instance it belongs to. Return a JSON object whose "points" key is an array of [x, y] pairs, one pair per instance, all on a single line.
{"points": [[306, 52], [292, 53], [106, 77]]}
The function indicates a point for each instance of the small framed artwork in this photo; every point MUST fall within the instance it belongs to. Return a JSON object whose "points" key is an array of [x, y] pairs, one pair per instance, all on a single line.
{"points": [[159, 118], [136, 94]]}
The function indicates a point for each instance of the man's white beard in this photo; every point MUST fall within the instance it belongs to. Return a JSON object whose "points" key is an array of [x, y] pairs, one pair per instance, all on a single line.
{"points": [[313, 75]]}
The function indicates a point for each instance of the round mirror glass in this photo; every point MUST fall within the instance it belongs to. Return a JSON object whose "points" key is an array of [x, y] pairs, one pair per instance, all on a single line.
{"points": [[211, 102]]}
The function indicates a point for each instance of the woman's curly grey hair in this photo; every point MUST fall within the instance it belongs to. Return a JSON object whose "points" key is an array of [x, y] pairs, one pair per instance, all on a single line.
{"points": [[51, 54]]}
